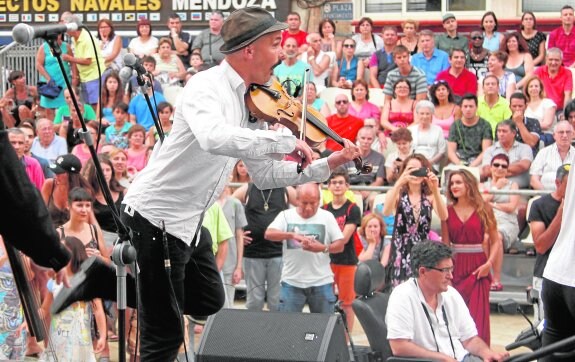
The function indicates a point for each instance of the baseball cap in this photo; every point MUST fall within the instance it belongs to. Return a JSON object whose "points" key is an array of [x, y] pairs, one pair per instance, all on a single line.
{"points": [[66, 163]]}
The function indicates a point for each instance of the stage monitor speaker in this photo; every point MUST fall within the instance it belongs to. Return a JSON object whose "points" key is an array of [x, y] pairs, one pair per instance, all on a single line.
{"points": [[239, 335]]}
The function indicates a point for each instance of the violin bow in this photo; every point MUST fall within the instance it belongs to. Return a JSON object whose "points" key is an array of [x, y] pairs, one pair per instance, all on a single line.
{"points": [[302, 134]]}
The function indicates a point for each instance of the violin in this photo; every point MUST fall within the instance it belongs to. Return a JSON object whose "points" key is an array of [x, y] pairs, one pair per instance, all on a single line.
{"points": [[274, 105]]}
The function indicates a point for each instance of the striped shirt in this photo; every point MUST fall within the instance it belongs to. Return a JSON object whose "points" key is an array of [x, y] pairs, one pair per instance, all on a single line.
{"points": [[416, 79]]}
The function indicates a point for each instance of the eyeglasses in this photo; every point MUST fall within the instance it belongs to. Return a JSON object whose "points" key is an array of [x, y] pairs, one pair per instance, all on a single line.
{"points": [[440, 82], [446, 270], [499, 165], [476, 37], [349, 45], [341, 102]]}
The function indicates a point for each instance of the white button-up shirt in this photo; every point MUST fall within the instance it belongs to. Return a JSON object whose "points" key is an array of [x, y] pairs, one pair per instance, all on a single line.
{"points": [[209, 134]]}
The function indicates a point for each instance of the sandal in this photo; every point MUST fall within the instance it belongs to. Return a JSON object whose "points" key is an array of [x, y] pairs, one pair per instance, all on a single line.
{"points": [[496, 287]]}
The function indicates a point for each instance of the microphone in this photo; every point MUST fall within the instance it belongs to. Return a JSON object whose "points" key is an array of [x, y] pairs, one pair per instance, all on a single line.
{"points": [[24, 33], [125, 74], [130, 60]]}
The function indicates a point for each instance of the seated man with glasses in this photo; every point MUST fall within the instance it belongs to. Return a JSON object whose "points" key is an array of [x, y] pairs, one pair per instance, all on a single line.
{"points": [[427, 318]]}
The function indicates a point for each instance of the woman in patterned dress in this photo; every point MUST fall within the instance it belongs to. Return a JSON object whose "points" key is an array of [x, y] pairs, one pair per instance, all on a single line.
{"points": [[412, 198]]}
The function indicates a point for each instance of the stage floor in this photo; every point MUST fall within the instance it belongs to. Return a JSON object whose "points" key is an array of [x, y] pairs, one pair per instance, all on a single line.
{"points": [[504, 329]]}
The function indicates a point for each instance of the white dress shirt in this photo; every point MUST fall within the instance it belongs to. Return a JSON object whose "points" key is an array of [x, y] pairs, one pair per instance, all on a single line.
{"points": [[209, 134]]}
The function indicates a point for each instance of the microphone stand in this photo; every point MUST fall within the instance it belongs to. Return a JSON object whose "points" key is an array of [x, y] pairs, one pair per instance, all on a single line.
{"points": [[144, 86], [124, 253]]}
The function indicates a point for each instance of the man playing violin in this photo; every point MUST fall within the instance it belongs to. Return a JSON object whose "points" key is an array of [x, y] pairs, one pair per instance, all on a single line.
{"points": [[186, 174]]}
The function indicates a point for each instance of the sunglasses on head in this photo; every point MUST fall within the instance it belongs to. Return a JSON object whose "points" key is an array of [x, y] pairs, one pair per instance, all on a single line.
{"points": [[342, 102], [500, 165]]}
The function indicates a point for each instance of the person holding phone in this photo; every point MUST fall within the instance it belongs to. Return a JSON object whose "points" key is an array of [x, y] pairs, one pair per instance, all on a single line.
{"points": [[414, 195]]}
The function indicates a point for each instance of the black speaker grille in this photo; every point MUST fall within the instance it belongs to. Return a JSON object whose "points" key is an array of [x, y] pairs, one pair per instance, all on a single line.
{"points": [[239, 335]]}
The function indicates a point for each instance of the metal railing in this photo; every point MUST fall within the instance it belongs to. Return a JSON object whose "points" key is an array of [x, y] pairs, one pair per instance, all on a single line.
{"points": [[15, 56], [384, 189]]}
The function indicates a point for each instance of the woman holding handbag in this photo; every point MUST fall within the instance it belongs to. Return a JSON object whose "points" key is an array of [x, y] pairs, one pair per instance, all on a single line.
{"points": [[50, 73]]}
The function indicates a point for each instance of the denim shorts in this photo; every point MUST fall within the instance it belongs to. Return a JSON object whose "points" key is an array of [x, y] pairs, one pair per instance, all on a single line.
{"points": [[320, 299]]}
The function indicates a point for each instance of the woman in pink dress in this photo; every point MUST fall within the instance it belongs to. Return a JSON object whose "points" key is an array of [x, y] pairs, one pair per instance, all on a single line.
{"points": [[360, 105], [469, 219], [446, 110]]}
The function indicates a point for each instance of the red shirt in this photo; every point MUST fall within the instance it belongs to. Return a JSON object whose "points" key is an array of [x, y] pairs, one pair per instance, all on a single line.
{"points": [[465, 83], [566, 42], [300, 37], [346, 127], [555, 88]]}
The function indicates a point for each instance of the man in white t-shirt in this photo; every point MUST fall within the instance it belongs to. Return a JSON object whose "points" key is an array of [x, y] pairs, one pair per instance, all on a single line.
{"points": [[558, 290], [427, 318], [308, 234]]}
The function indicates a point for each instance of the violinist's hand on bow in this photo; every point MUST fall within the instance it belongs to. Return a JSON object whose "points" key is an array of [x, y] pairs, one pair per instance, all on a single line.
{"points": [[348, 153], [302, 153]]}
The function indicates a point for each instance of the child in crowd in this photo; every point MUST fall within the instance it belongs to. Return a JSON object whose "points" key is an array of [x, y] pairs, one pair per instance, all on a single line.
{"points": [[116, 134], [70, 330]]}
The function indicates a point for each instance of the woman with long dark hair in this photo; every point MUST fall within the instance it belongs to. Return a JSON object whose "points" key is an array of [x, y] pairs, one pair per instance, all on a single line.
{"points": [[470, 218], [412, 198]]}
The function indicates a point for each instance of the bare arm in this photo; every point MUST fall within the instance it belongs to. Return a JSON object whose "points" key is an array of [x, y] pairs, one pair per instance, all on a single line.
{"points": [[548, 117], [384, 120], [536, 183], [528, 64], [541, 55], [335, 75], [510, 206], [406, 348], [98, 309], [476, 346], [452, 153], [567, 97], [360, 70], [373, 82], [222, 254], [40, 58], [385, 255], [485, 144], [237, 275], [116, 50], [544, 238], [518, 167]]}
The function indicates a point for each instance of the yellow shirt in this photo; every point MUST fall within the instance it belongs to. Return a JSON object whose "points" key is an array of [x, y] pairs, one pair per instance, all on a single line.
{"points": [[83, 49], [498, 113]]}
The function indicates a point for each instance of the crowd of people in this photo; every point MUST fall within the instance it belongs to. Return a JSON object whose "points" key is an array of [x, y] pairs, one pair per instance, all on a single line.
{"points": [[491, 112]]}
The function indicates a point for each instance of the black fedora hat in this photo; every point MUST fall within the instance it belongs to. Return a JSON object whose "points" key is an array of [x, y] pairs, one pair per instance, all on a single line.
{"points": [[244, 26]]}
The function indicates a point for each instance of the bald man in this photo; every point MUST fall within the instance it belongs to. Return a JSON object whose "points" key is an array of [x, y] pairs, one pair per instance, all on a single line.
{"points": [[309, 234]]}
